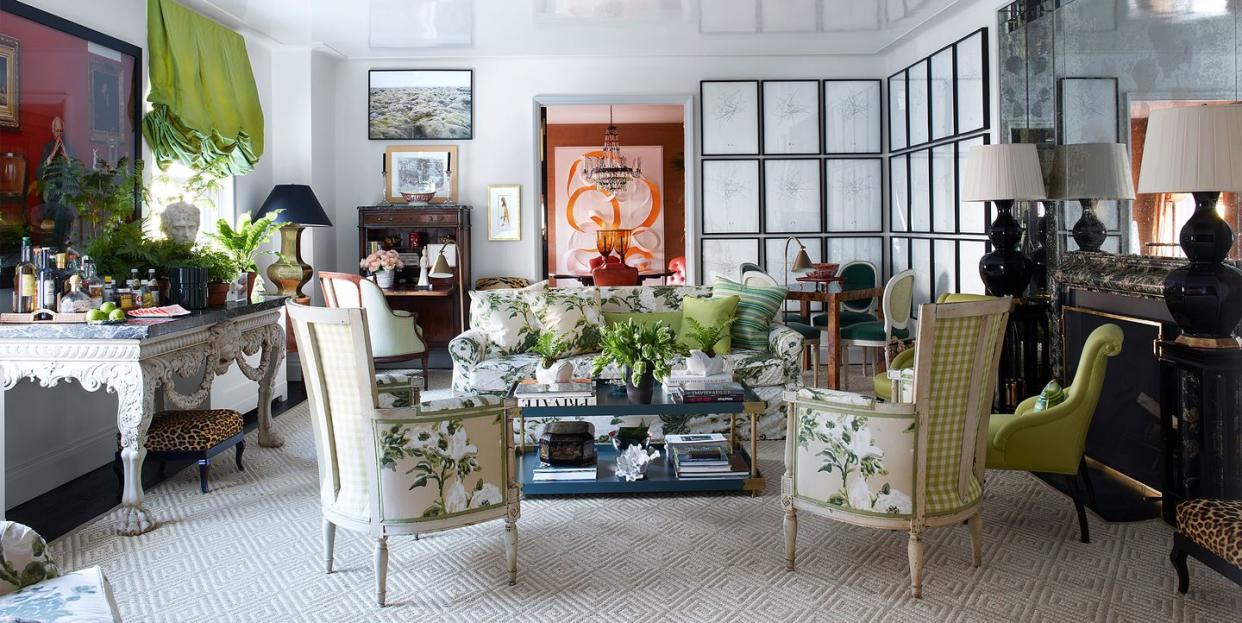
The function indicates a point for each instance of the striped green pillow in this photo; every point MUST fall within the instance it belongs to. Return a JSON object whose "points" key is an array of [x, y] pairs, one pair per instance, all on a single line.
{"points": [[755, 310]]}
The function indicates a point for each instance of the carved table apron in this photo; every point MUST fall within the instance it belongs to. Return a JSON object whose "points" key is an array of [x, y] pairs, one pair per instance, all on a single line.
{"points": [[135, 369]]}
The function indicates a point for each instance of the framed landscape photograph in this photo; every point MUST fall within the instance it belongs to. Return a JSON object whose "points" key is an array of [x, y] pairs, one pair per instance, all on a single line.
{"points": [[730, 112], [504, 212], [406, 167], [791, 117], [852, 117], [420, 104]]}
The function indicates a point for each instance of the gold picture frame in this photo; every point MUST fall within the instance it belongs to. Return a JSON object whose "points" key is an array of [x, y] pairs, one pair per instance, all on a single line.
{"points": [[10, 66], [504, 212], [435, 163]]}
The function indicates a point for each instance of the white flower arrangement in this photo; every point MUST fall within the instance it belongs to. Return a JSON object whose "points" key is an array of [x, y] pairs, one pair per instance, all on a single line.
{"points": [[382, 260]]}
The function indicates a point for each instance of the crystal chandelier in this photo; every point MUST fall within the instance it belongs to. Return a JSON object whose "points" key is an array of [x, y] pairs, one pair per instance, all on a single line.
{"points": [[610, 172]]}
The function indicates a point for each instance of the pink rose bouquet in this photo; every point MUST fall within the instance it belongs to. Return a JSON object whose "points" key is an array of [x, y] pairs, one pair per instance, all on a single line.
{"points": [[382, 260]]}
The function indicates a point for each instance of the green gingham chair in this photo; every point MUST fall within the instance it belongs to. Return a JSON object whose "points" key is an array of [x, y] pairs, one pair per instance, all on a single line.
{"points": [[902, 466], [402, 470]]}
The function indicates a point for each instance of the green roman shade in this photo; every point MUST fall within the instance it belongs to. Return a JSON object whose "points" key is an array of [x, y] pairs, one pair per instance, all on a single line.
{"points": [[206, 111]]}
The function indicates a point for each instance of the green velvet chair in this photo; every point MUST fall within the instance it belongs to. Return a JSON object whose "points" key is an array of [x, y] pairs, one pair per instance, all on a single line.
{"points": [[858, 275], [1053, 440], [905, 359]]}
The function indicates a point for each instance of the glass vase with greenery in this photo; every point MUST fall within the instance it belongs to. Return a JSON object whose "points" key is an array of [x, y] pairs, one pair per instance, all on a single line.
{"points": [[644, 353], [552, 369]]}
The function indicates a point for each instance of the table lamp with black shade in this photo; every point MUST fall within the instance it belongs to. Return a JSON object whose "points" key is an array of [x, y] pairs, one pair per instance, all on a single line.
{"points": [[1198, 150], [1090, 172], [299, 208], [1004, 174]]}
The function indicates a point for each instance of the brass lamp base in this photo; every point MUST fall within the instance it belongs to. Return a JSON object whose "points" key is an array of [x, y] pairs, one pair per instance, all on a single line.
{"points": [[289, 272]]}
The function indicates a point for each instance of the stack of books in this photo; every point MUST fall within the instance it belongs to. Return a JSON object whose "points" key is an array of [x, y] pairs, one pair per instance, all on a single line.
{"points": [[705, 457], [709, 391], [546, 473], [575, 394]]}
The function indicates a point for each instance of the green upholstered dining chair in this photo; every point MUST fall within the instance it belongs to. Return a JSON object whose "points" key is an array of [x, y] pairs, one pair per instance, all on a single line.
{"points": [[395, 334], [898, 296], [858, 275], [753, 275], [432, 466], [905, 359], [1053, 440], [902, 466]]}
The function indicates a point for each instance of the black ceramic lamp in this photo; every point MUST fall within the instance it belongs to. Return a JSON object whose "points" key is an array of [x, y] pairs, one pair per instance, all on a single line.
{"points": [[1198, 150], [1004, 174], [1091, 172], [299, 208]]}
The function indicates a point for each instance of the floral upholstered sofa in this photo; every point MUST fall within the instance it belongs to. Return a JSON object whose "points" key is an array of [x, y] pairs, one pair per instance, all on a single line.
{"points": [[495, 353]]}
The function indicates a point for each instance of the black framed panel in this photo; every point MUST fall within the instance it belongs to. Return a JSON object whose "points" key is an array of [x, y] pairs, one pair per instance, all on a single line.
{"points": [[944, 185], [854, 195], [791, 114], [973, 216], [971, 82], [899, 193], [721, 257], [732, 195], [1089, 110], [942, 93], [898, 113], [969, 252], [898, 255], [845, 249], [920, 190], [729, 111], [793, 196], [853, 117], [918, 97]]}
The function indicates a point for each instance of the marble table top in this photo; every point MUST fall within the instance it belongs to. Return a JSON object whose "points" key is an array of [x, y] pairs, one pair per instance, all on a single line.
{"points": [[137, 328]]}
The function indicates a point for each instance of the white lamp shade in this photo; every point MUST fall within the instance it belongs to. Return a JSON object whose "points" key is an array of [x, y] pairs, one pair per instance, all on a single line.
{"points": [[1093, 171], [1000, 172], [1193, 149]]}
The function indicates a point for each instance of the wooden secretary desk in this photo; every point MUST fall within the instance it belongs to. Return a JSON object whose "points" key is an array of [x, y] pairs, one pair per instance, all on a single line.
{"points": [[441, 309]]}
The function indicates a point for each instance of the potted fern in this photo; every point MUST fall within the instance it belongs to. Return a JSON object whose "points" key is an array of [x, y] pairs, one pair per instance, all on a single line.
{"points": [[552, 369], [704, 361], [643, 352], [241, 243]]}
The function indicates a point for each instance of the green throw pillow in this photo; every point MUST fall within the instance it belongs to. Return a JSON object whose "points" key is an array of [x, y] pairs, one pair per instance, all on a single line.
{"points": [[1052, 396], [642, 319], [755, 310], [712, 312]]}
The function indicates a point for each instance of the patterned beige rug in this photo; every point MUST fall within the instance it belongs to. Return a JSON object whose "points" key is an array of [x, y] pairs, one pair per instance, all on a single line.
{"points": [[250, 551]]}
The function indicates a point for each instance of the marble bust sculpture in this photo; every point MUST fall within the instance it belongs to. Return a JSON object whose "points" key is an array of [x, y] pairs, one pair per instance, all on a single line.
{"points": [[180, 222]]}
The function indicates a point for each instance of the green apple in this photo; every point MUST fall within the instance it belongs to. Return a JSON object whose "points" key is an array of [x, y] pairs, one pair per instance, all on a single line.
{"points": [[95, 315], [116, 314], [107, 307]]}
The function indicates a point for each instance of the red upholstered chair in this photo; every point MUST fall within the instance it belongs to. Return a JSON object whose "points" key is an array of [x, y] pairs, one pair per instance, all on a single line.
{"points": [[615, 274], [677, 266]]}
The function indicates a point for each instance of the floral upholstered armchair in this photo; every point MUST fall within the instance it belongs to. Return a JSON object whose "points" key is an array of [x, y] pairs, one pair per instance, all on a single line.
{"points": [[32, 587], [902, 466], [496, 352], [397, 471]]}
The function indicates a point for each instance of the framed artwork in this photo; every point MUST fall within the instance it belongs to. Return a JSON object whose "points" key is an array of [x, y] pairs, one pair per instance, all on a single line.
{"points": [[854, 194], [791, 117], [942, 94], [944, 267], [723, 256], [898, 134], [919, 102], [944, 189], [969, 253], [899, 193], [420, 104], [504, 212], [898, 255], [107, 110], [1088, 110], [730, 196], [852, 117], [408, 166], [777, 264], [791, 196], [730, 113], [10, 68], [973, 216], [848, 249], [920, 191], [970, 55]]}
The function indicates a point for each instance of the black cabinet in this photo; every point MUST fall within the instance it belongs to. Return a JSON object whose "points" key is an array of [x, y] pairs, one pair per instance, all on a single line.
{"points": [[1025, 365]]}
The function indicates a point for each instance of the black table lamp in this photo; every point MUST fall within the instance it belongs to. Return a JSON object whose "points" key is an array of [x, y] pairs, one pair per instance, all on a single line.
{"points": [[1003, 174], [300, 208]]}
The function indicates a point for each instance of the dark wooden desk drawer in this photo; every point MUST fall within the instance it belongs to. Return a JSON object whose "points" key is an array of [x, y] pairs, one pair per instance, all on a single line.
{"points": [[406, 218]]}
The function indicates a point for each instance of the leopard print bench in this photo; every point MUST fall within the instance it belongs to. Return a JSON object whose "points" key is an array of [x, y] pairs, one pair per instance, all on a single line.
{"points": [[197, 435], [1211, 531]]}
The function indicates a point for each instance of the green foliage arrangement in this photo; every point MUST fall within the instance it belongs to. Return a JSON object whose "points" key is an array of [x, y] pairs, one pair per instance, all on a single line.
{"points": [[120, 247], [220, 267], [639, 349], [549, 347], [102, 196], [241, 243], [706, 337]]}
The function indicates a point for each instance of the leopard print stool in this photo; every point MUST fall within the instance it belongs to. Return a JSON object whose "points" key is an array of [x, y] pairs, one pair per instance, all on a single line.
{"points": [[1211, 531], [198, 435]]}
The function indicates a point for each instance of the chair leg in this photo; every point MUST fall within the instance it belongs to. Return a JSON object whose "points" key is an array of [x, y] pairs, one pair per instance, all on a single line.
{"points": [[1084, 532], [241, 447], [203, 466], [381, 569], [915, 551], [426, 359], [791, 536], [1178, 558], [329, 544], [815, 364], [976, 538], [1085, 474], [511, 542]]}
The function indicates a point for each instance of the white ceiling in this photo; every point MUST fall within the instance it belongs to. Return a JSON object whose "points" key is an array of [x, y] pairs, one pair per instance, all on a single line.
{"points": [[376, 29]]}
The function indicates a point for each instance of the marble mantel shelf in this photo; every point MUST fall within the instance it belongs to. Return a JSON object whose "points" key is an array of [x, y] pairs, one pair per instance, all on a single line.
{"points": [[1134, 275], [137, 329]]}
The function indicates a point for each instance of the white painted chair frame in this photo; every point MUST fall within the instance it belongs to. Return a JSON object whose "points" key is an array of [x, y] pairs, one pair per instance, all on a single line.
{"points": [[810, 347], [890, 323]]}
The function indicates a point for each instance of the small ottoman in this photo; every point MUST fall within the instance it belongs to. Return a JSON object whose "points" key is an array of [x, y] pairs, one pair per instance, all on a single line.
{"points": [[197, 435], [1211, 531]]}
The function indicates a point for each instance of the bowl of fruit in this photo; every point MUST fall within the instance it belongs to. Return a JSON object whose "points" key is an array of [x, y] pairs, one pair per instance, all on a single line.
{"points": [[107, 314]]}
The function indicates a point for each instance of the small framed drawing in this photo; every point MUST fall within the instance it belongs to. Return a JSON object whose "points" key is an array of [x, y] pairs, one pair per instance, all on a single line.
{"points": [[898, 132], [420, 104], [9, 67], [791, 117], [918, 96], [792, 196], [854, 190], [1088, 110], [730, 196], [970, 58], [409, 168], [730, 113], [852, 117], [942, 94], [504, 212], [723, 256]]}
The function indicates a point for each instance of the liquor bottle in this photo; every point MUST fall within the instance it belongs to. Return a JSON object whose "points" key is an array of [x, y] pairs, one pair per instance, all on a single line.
{"points": [[153, 289], [47, 283], [75, 301], [109, 290], [26, 290], [91, 283], [133, 280], [61, 273]]}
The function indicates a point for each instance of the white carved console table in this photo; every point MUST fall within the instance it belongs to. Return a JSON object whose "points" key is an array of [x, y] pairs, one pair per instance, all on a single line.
{"points": [[139, 358]]}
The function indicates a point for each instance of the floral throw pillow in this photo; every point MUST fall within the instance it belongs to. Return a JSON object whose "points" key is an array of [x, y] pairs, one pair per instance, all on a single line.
{"points": [[24, 556], [574, 315], [505, 317]]}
